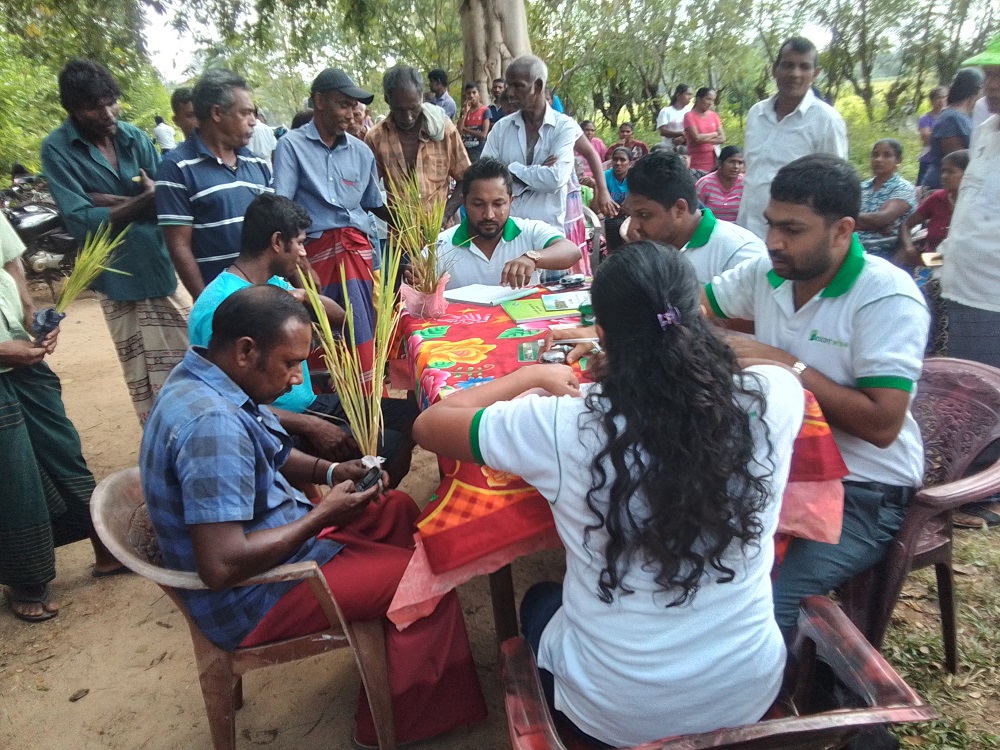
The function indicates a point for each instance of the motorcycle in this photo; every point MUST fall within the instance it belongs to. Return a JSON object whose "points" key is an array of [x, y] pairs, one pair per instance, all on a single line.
{"points": [[50, 250]]}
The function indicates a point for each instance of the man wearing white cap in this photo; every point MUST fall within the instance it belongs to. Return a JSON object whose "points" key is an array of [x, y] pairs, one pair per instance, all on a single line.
{"points": [[331, 174]]}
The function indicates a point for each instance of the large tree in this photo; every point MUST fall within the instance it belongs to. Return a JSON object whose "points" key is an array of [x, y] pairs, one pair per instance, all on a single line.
{"points": [[493, 33]]}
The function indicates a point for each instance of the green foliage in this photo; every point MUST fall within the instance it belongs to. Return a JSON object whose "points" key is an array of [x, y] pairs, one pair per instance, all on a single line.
{"points": [[29, 105], [38, 38]]}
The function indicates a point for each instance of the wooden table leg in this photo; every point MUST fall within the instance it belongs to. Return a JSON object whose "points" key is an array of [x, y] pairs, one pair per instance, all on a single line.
{"points": [[504, 609]]}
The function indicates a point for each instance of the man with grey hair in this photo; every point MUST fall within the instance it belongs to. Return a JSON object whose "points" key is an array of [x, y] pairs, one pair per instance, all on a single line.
{"points": [[205, 185], [536, 143], [416, 138]]}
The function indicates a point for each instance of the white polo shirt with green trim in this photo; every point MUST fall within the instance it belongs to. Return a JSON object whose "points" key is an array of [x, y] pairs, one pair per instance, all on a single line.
{"points": [[466, 263], [866, 329], [718, 245]]}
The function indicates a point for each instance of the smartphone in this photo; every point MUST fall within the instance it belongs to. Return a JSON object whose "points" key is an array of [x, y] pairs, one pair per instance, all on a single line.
{"points": [[369, 480]]}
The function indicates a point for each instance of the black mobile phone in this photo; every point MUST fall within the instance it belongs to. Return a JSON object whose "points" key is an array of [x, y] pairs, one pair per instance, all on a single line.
{"points": [[369, 480]]}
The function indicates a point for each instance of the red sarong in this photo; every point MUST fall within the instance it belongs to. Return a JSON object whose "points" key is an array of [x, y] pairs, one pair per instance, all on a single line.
{"points": [[432, 675], [346, 254]]}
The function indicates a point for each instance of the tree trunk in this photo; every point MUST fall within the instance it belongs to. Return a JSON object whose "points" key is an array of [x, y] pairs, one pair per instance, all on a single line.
{"points": [[494, 32]]}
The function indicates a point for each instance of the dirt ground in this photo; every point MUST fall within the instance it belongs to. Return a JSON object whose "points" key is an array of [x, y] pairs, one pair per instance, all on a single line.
{"points": [[121, 640]]}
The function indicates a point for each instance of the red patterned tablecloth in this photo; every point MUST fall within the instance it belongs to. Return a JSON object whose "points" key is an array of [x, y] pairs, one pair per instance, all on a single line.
{"points": [[479, 519]]}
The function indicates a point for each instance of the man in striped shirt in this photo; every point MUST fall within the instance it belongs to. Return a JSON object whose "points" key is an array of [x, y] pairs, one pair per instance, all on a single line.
{"points": [[204, 186]]}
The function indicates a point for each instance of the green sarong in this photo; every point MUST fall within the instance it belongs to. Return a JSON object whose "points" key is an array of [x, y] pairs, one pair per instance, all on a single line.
{"points": [[45, 485]]}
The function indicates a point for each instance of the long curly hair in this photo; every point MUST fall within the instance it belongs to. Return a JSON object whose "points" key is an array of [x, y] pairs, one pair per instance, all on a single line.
{"points": [[673, 433]]}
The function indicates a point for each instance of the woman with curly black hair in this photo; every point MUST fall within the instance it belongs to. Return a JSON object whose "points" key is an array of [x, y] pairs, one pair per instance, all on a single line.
{"points": [[665, 478]]}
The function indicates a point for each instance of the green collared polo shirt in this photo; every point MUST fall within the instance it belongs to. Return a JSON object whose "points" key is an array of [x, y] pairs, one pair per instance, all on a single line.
{"points": [[717, 246], [466, 263], [866, 329], [74, 167]]}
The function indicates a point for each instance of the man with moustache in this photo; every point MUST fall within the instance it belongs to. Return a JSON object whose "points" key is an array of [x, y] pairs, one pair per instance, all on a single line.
{"points": [[101, 171], [332, 174], [792, 123], [853, 327], [205, 185], [492, 247], [412, 140]]}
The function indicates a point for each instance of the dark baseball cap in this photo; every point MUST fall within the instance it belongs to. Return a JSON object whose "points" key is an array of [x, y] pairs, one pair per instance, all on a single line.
{"points": [[332, 79]]}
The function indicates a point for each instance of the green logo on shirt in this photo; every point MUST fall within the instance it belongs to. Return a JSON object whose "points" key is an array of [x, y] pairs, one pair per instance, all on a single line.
{"points": [[814, 336]]}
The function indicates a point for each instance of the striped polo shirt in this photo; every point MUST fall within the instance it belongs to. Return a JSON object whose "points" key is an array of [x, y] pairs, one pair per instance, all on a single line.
{"points": [[196, 188]]}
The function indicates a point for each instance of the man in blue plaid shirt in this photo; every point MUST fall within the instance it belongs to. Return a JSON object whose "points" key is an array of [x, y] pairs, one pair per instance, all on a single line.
{"points": [[218, 473]]}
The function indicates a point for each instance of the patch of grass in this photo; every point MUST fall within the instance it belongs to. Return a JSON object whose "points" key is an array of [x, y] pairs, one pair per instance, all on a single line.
{"points": [[969, 701]]}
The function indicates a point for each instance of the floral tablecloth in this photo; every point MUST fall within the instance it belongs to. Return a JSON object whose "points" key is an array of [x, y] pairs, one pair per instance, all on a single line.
{"points": [[480, 519]]}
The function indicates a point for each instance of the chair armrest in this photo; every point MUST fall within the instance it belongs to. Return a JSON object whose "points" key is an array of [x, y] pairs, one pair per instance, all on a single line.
{"points": [[182, 579], [853, 660], [966, 490], [528, 717], [299, 571]]}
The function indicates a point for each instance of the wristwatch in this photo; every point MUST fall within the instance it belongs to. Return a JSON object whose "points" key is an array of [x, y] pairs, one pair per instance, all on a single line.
{"points": [[799, 367], [534, 255]]}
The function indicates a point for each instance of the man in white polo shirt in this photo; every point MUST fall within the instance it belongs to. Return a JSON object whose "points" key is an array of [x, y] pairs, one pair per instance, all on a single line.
{"points": [[792, 123], [492, 247], [663, 205], [854, 327]]}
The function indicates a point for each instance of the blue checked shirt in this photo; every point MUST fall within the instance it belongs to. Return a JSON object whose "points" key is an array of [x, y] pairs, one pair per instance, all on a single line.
{"points": [[211, 455]]}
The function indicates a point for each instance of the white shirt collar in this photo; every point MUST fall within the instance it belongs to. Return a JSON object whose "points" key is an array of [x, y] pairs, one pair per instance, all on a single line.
{"points": [[807, 101]]}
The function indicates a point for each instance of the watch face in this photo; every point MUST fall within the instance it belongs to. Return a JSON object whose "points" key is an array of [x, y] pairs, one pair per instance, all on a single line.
{"points": [[533, 254]]}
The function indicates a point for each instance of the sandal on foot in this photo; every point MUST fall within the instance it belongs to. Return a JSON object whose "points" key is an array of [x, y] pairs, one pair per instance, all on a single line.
{"points": [[15, 597], [106, 573], [977, 516]]}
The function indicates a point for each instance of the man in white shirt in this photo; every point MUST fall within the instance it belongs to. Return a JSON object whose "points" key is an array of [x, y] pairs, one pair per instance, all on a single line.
{"points": [[263, 141], [792, 123], [536, 143], [492, 247], [663, 205], [970, 276], [854, 327], [163, 134], [670, 121]]}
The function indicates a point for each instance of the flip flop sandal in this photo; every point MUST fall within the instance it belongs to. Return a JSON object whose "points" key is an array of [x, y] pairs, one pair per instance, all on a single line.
{"points": [[977, 516], [108, 573], [14, 597]]}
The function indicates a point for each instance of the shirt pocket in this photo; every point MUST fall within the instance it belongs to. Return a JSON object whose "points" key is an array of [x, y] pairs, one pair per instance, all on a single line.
{"points": [[346, 183]]}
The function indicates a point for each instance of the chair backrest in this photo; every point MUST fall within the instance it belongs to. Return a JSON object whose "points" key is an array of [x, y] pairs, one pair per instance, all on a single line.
{"points": [[120, 519], [958, 409]]}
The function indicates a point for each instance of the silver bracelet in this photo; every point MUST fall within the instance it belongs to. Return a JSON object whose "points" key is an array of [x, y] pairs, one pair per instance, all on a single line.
{"points": [[329, 473]]}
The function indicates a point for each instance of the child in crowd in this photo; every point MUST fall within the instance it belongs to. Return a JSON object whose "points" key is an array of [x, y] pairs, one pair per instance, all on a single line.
{"points": [[934, 212], [615, 179]]}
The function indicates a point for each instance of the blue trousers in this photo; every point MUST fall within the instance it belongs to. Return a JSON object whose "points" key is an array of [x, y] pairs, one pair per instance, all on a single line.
{"points": [[873, 513], [540, 603]]}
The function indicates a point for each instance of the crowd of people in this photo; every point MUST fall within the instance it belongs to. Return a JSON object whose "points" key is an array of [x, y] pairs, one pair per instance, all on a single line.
{"points": [[664, 475]]}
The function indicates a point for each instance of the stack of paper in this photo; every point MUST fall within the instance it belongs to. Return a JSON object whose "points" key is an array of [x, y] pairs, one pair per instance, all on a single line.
{"points": [[484, 294]]}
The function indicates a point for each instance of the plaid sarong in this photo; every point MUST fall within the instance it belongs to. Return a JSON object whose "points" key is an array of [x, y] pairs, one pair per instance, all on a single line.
{"points": [[346, 253], [150, 336], [46, 488]]}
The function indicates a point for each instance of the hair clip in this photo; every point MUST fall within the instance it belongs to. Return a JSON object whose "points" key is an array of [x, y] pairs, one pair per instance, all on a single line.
{"points": [[669, 317]]}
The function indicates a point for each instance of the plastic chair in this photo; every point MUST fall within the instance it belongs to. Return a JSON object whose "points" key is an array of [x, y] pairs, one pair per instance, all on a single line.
{"points": [[958, 409], [121, 521], [823, 631]]}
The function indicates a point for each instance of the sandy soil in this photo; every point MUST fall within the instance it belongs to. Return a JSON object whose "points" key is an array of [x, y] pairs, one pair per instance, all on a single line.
{"points": [[121, 640]]}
